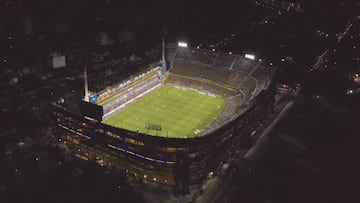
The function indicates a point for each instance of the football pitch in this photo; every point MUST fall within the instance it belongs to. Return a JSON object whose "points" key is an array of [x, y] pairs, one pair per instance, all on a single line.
{"points": [[169, 112]]}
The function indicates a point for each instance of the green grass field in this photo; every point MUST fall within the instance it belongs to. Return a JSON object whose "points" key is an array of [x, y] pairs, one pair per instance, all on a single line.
{"points": [[181, 113]]}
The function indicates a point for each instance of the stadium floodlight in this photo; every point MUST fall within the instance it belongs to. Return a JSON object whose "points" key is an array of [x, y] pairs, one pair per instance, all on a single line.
{"points": [[182, 44], [250, 56]]}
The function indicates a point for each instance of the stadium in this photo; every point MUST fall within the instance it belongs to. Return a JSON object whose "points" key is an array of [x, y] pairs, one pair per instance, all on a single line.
{"points": [[175, 122]]}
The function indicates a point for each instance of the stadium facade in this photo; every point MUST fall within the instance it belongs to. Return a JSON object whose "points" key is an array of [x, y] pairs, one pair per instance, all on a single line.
{"points": [[247, 86]]}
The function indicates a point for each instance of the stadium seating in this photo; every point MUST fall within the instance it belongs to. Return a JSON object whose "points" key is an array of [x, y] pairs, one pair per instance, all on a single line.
{"points": [[183, 54], [243, 65], [201, 71], [224, 60], [117, 89], [248, 87], [263, 75], [125, 96], [204, 56], [222, 76], [196, 55], [235, 80], [121, 94], [229, 112], [230, 70], [195, 83]]}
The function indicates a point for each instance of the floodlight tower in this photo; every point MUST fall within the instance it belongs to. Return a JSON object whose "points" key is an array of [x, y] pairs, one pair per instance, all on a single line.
{"points": [[163, 63], [86, 88]]}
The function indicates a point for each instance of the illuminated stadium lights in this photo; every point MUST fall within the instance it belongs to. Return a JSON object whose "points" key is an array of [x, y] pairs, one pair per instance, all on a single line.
{"points": [[250, 56], [182, 44]]}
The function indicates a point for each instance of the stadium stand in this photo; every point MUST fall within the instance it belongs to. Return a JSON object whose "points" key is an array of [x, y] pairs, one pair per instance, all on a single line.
{"points": [[243, 65], [196, 55], [224, 60], [263, 75], [235, 80], [113, 91], [184, 54], [229, 112], [201, 71], [248, 87], [117, 97], [196, 83], [222, 76], [204, 56], [233, 71], [128, 95]]}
